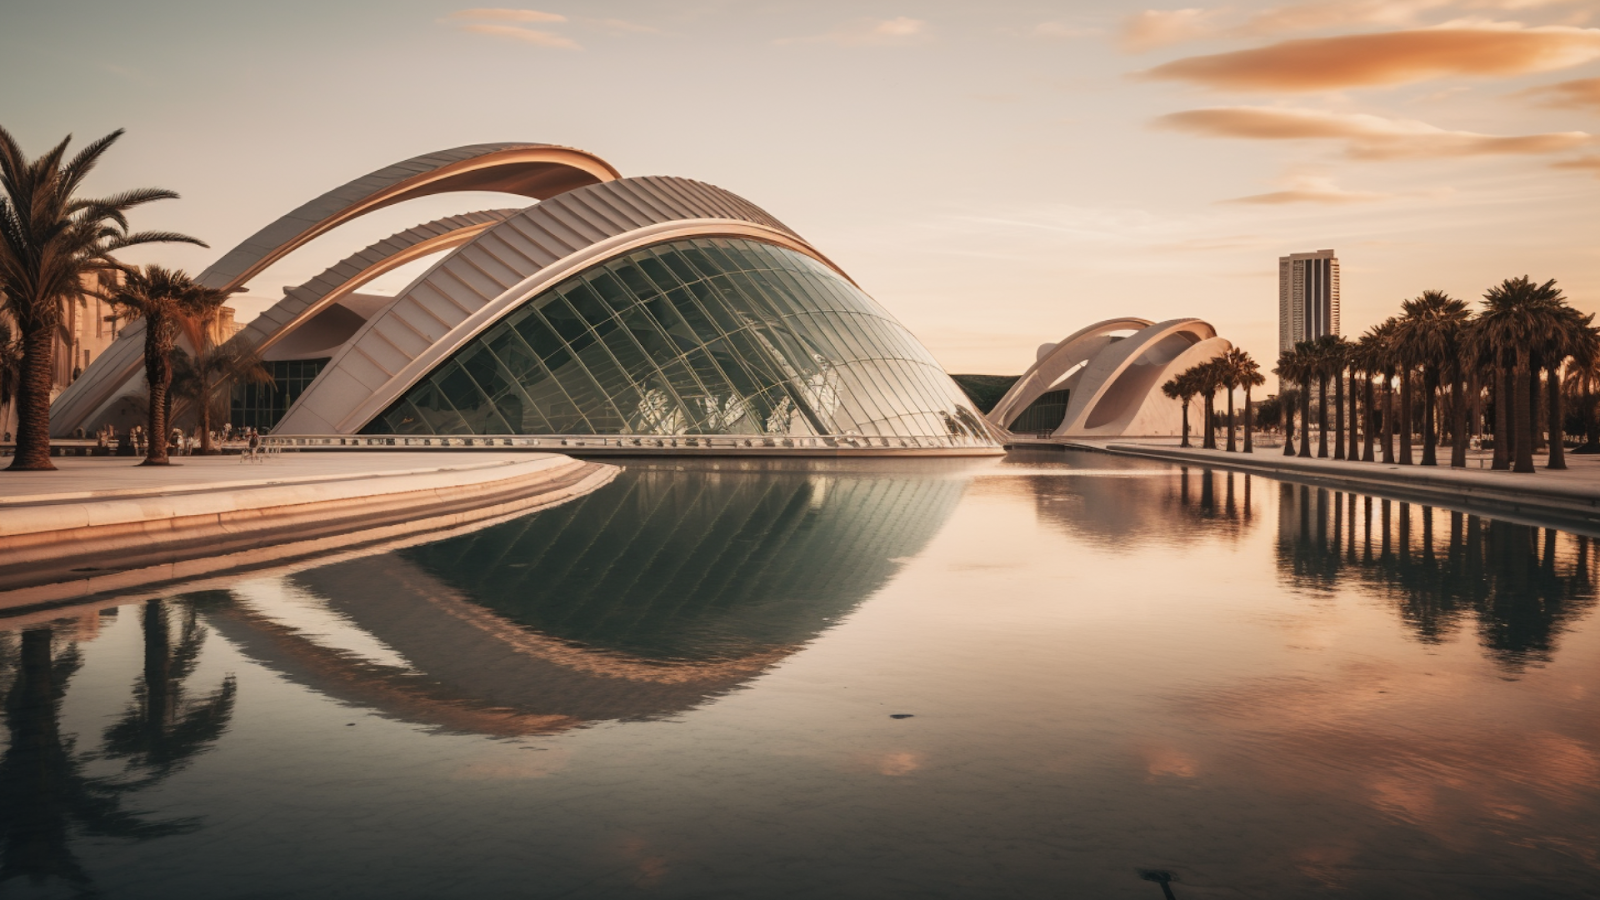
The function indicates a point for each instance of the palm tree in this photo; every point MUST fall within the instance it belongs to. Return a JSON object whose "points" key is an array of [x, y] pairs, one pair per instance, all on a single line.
{"points": [[203, 379], [1332, 355], [1230, 372], [1249, 376], [1570, 334], [1583, 377], [163, 298], [1382, 348], [1295, 365], [1208, 380], [1288, 400], [1368, 358], [1429, 333], [52, 244], [1181, 388], [1512, 313]]}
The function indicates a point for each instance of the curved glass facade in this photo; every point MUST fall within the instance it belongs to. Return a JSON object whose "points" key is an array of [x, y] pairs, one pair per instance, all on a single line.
{"points": [[695, 337]]}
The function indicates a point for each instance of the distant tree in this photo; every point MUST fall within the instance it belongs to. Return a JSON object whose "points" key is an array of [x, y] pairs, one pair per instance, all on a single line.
{"points": [[1182, 388], [203, 379], [1514, 311], [1250, 377]]}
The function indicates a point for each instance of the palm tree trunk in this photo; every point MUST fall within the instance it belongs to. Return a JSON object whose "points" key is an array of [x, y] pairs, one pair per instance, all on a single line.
{"points": [[1184, 444], [1558, 454], [1305, 418], [1338, 415], [1249, 446], [1233, 446], [205, 421], [1388, 418], [1500, 389], [1322, 416], [1405, 415], [1210, 441], [1524, 454], [158, 371], [1458, 417], [1591, 421], [1366, 422], [1288, 429], [1535, 435], [1355, 420], [1430, 385], [32, 452]]}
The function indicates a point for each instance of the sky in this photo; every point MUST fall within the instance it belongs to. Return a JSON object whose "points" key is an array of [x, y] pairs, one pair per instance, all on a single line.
{"points": [[998, 175]]}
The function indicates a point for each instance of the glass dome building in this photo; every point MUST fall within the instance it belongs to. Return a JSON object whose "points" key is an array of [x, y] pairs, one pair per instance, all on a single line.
{"points": [[646, 314]]}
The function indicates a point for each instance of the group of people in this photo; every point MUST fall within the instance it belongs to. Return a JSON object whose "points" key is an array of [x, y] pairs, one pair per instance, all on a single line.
{"points": [[135, 442]]}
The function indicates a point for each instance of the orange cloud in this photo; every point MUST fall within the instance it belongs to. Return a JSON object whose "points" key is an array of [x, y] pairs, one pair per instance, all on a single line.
{"points": [[871, 32], [1388, 58], [1160, 27], [1581, 164], [1310, 190], [1364, 136], [1581, 94], [525, 35], [508, 15]]}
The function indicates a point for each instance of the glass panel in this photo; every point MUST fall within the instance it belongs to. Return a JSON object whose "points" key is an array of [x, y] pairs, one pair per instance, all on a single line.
{"points": [[704, 336]]}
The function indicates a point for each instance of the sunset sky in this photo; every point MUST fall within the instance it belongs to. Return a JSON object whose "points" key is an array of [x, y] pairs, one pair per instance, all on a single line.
{"points": [[996, 174]]}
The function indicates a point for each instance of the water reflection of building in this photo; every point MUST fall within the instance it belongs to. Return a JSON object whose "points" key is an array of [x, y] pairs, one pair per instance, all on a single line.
{"points": [[1521, 586], [1119, 510], [638, 601]]}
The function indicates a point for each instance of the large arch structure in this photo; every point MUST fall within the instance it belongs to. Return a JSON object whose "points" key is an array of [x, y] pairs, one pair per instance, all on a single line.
{"points": [[536, 171], [1114, 383], [1056, 362], [874, 387]]}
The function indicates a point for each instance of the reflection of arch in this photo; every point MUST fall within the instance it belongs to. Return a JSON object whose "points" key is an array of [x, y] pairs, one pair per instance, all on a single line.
{"points": [[1117, 390], [489, 278], [539, 171], [1054, 363], [637, 601]]}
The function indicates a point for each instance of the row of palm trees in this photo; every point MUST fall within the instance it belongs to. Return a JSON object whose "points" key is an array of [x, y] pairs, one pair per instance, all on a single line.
{"points": [[56, 245], [1436, 348], [1229, 372]]}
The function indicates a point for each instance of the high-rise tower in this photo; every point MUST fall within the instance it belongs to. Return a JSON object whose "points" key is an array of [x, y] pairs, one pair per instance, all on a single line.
{"points": [[1308, 297]]}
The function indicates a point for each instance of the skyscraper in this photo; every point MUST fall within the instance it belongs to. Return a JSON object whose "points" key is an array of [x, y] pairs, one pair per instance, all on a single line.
{"points": [[1308, 297]]}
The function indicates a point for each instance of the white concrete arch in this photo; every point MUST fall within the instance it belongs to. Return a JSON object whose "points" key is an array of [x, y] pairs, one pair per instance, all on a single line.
{"points": [[537, 171], [1056, 361], [1122, 386], [300, 305], [490, 277]]}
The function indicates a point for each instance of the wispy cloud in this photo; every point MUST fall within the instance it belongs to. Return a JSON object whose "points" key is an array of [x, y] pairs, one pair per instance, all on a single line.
{"points": [[622, 25], [1059, 31], [1583, 93], [871, 33], [1589, 163], [494, 22], [1363, 136], [1155, 28], [508, 15], [1388, 58], [1310, 189]]}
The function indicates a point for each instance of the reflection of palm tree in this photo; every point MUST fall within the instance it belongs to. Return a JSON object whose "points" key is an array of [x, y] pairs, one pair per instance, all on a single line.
{"points": [[1507, 576], [160, 731], [43, 789]]}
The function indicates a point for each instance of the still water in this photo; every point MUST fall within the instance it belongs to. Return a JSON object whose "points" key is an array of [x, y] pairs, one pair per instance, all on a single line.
{"points": [[1054, 675]]}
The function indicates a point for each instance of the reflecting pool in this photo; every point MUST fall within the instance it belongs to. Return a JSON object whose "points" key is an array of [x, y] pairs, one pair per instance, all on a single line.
{"points": [[1045, 676]]}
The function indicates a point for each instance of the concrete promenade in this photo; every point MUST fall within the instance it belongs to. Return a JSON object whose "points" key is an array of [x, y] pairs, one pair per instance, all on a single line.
{"points": [[1565, 498], [101, 524]]}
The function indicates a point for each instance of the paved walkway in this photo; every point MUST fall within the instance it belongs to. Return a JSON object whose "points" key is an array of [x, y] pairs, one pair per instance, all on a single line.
{"points": [[105, 477], [1567, 498], [99, 524]]}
